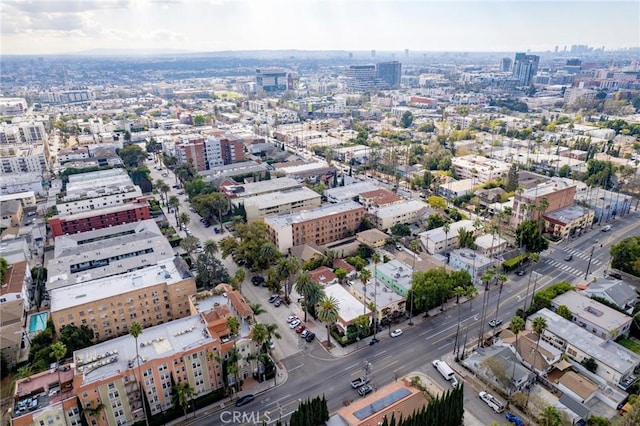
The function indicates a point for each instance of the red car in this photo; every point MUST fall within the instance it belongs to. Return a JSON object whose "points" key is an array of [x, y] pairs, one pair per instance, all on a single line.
{"points": [[300, 328]]}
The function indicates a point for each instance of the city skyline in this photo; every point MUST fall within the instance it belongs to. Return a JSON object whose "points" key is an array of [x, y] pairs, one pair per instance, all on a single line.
{"points": [[71, 26]]}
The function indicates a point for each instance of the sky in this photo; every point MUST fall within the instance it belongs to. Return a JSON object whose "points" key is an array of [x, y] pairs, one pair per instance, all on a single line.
{"points": [[68, 26]]}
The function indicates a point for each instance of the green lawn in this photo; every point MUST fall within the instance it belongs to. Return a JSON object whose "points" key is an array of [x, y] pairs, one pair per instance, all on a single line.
{"points": [[631, 344]]}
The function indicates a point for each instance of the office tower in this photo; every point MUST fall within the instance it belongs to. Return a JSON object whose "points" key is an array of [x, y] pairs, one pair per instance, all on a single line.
{"points": [[361, 77], [389, 73], [373, 53], [271, 80], [505, 64], [525, 68]]}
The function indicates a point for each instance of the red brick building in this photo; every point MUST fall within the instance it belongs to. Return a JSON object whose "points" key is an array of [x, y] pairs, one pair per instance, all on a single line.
{"points": [[102, 218]]}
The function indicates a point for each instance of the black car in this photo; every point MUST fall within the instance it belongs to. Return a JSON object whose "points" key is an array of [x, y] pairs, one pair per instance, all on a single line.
{"points": [[310, 337], [273, 298], [257, 280], [521, 273], [245, 400]]}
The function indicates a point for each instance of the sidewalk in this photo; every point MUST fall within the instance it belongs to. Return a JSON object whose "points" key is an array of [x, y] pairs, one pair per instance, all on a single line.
{"points": [[250, 386]]}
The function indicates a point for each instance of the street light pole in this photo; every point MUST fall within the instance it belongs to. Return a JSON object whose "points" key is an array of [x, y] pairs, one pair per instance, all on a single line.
{"points": [[589, 264]]}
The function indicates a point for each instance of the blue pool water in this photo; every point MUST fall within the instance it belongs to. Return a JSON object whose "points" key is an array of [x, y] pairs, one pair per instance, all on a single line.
{"points": [[38, 322]]}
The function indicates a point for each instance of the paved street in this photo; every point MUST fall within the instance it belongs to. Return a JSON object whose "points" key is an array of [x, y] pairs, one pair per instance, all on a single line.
{"points": [[312, 371]]}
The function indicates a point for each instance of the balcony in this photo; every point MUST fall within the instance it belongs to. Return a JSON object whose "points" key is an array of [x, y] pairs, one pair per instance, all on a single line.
{"points": [[626, 381]]}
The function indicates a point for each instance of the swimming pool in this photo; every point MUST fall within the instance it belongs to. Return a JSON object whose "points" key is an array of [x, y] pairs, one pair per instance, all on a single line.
{"points": [[38, 322]]}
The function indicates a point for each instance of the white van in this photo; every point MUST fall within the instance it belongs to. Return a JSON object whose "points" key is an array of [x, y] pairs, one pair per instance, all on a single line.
{"points": [[446, 371]]}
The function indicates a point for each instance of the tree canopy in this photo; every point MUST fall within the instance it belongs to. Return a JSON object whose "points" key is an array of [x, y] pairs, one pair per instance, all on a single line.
{"points": [[625, 255], [435, 286], [132, 155], [529, 235]]}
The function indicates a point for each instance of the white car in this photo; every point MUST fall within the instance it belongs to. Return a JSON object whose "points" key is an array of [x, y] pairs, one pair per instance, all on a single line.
{"points": [[294, 324], [291, 319], [397, 332]]}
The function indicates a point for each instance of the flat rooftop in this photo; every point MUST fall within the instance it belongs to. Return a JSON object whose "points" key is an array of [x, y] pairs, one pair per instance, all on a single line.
{"points": [[394, 210], [167, 271], [350, 307], [591, 310], [103, 211], [349, 192], [603, 351], [111, 358], [399, 271], [437, 235], [106, 252], [262, 187], [383, 295], [546, 188], [274, 199], [303, 216]]}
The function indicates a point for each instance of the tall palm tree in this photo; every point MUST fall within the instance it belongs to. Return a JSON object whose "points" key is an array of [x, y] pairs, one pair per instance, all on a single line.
{"points": [[272, 331], [287, 268], [459, 292], [533, 257], [539, 326], [233, 325], [181, 394], [446, 228], [58, 352], [365, 276], [303, 285], [238, 279], [135, 330], [415, 248], [486, 279], [220, 203], [516, 325], [183, 220], [269, 253], [375, 258], [210, 248], [258, 336], [257, 309], [165, 190], [174, 203], [550, 416], [502, 278], [328, 311], [158, 185]]}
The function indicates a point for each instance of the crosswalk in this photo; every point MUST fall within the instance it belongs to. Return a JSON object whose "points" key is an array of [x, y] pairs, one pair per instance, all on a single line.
{"points": [[567, 266]]}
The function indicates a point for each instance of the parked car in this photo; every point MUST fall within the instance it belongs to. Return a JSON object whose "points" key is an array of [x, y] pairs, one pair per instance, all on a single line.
{"points": [[365, 390], [359, 382], [273, 298], [257, 280], [271, 344], [291, 319], [278, 302], [514, 419], [305, 333], [492, 402], [397, 332], [243, 400], [310, 337], [521, 273], [294, 324], [300, 328], [615, 275], [495, 323], [606, 228]]}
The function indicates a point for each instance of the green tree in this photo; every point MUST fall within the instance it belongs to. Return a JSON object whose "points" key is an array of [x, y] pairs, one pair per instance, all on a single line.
{"points": [[199, 120], [183, 220], [550, 416], [58, 352], [590, 364], [189, 244], [341, 274], [529, 235], [539, 326], [400, 230], [132, 156], [287, 268], [75, 338], [135, 330], [407, 119], [516, 325], [328, 311], [174, 203], [258, 336], [4, 265], [437, 202], [181, 394], [512, 179], [436, 220], [564, 312], [625, 255], [94, 412], [238, 279], [257, 309]]}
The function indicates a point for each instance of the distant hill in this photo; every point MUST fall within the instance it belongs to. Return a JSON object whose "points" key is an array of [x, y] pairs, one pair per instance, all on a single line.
{"points": [[129, 52]]}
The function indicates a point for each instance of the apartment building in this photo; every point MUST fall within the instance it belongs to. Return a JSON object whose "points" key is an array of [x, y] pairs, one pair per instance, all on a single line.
{"points": [[13, 106], [23, 158], [279, 203], [396, 275], [389, 304], [22, 182], [616, 364], [14, 303], [191, 149], [438, 241], [558, 193], [379, 198], [174, 352], [235, 190], [106, 252], [24, 132], [271, 80], [320, 226], [119, 214], [209, 152], [480, 168], [387, 216], [456, 188], [594, 316], [151, 296], [341, 194], [96, 190], [349, 308], [568, 220]]}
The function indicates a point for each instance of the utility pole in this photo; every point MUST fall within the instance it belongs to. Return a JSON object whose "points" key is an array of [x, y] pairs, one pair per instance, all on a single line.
{"points": [[590, 258]]}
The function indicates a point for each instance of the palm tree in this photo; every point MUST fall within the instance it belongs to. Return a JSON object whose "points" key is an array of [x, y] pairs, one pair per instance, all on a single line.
{"points": [[328, 312], [272, 331], [550, 416], [238, 279], [164, 188], [220, 203], [257, 309], [486, 278], [210, 248], [303, 285], [135, 330], [259, 335], [516, 325], [365, 276], [58, 351], [269, 253], [174, 203], [183, 220], [181, 394], [459, 292], [158, 184], [287, 268], [502, 278], [233, 325], [533, 257], [375, 258], [446, 228], [24, 371], [539, 326], [542, 208]]}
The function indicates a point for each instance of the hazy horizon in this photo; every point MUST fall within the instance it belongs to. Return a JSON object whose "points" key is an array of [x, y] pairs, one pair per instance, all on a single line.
{"points": [[201, 26]]}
